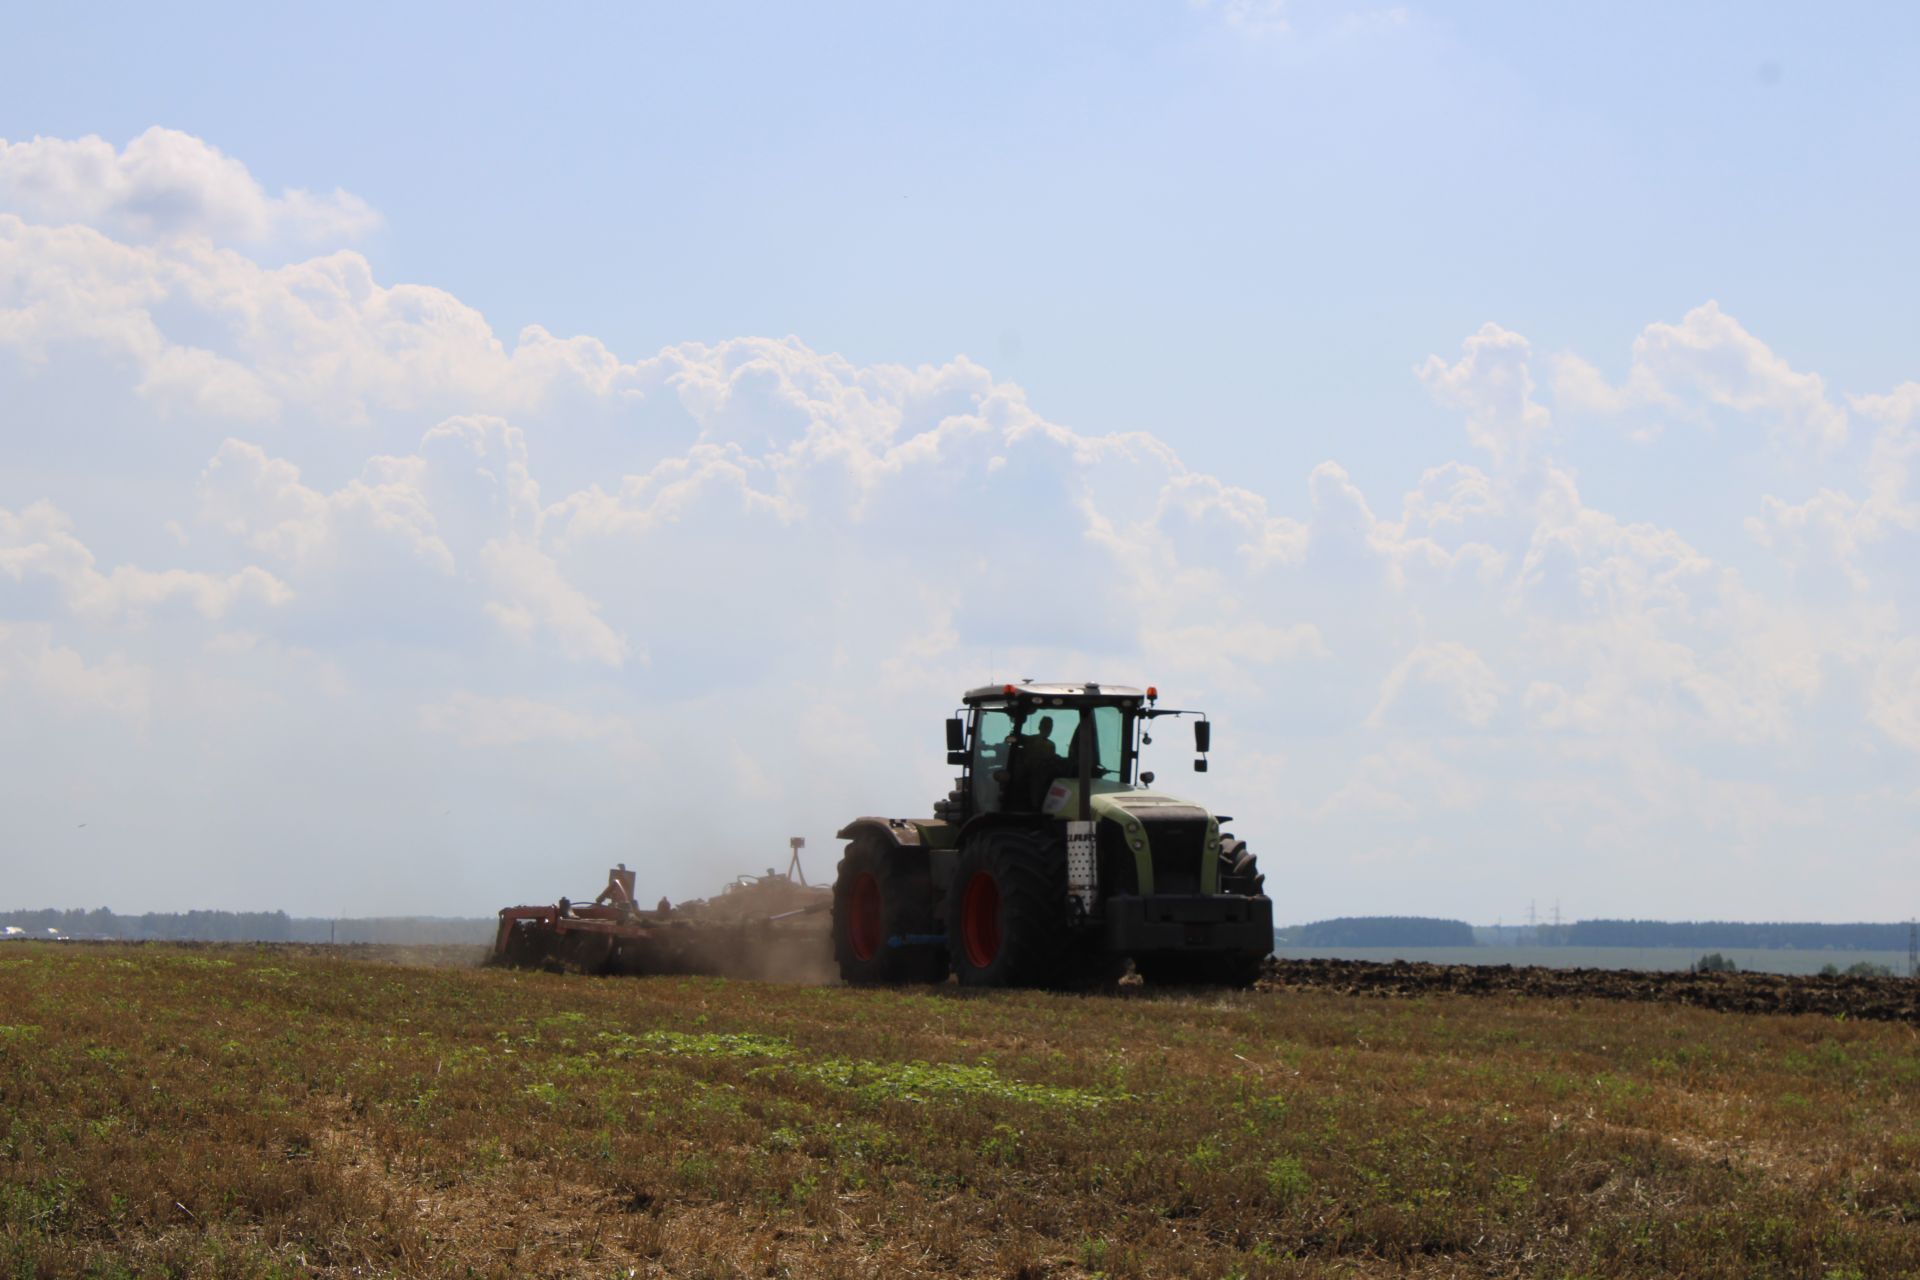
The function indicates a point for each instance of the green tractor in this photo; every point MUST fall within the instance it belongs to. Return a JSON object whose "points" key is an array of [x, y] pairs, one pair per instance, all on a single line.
{"points": [[1052, 861]]}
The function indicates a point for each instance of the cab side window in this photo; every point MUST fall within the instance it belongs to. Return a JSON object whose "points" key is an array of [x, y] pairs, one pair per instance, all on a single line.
{"points": [[992, 734]]}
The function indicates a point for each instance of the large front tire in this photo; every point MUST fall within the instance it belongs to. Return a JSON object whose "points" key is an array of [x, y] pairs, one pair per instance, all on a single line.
{"points": [[1007, 912], [882, 896], [1239, 869]]}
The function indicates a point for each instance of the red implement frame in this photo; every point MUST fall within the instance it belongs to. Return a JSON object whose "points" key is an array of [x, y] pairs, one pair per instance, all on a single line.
{"points": [[613, 915], [614, 934]]}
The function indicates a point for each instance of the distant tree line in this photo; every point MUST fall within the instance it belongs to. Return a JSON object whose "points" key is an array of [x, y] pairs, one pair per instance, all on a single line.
{"points": [[1721, 933], [249, 926], [1382, 931]]}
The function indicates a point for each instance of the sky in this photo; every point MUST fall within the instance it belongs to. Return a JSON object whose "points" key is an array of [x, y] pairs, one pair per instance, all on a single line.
{"points": [[445, 450]]}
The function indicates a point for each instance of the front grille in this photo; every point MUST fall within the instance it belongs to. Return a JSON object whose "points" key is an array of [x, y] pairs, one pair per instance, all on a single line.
{"points": [[1177, 845]]}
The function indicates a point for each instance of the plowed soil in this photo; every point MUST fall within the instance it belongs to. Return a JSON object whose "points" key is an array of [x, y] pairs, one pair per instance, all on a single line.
{"points": [[1879, 999]]}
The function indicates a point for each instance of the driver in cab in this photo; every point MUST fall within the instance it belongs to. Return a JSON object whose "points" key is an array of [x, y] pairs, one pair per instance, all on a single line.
{"points": [[1036, 762]]}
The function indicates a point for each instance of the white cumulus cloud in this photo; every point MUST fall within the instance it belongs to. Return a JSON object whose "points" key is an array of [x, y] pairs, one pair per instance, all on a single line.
{"points": [[38, 545], [390, 566], [165, 184], [1492, 385], [1709, 358], [1466, 685]]}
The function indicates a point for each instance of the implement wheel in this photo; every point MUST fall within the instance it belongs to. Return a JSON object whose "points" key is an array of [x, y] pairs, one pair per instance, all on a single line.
{"points": [[528, 946], [1006, 915], [881, 894]]}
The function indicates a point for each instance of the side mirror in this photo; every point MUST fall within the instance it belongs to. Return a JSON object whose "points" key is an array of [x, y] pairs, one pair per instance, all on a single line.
{"points": [[1146, 778], [1199, 766], [1202, 736], [956, 735]]}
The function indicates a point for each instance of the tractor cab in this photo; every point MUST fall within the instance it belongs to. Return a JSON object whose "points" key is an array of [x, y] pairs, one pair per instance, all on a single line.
{"points": [[1027, 748]]}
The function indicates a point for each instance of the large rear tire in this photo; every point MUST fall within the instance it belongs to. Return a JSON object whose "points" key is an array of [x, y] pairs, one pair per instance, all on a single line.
{"points": [[1007, 911], [881, 895]]}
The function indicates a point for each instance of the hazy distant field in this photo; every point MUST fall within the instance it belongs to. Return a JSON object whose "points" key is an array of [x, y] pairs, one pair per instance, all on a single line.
{"points": [[1757, 961], [251, 1111]]}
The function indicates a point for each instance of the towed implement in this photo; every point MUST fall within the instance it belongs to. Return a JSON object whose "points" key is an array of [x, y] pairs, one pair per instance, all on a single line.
{"points": [[1053, 861], [767, 926]]}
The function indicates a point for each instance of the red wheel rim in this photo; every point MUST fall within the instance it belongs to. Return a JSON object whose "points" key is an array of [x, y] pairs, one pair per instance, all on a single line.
{"points": [[864, 929], [980, 920]]}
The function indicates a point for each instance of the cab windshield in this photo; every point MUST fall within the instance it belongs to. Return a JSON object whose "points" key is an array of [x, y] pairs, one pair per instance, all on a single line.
{"points": [[1035, 747]]}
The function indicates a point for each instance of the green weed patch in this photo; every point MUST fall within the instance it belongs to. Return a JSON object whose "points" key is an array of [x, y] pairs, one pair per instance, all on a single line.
{"points": [[872, 1081], [923, 1082]]}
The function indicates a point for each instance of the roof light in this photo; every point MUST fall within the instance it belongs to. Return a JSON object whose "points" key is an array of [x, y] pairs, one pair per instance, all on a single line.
{"points": [[1153, 694], [1009, 689]]}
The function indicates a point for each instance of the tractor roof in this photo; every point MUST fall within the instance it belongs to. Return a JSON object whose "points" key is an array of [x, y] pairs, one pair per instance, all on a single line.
{"points": [[1093, 694]]}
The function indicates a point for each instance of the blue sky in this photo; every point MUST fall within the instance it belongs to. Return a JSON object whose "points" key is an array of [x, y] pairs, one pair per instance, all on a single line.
{"points": [[1244, 230]]}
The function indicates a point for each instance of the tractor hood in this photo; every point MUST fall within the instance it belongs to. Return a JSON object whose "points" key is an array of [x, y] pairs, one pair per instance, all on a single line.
{"points": [[1172, 841], [1146, 806], [1118, 801]]}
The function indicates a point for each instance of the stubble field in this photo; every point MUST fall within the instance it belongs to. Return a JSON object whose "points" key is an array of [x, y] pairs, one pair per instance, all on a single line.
{"points": [[246, 1111]]}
